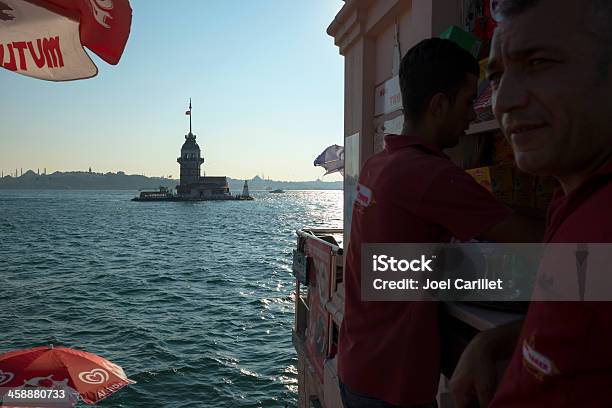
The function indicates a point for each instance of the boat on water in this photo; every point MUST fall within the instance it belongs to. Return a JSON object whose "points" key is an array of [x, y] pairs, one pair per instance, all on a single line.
{"points": [[277, 191], [162, 194]]}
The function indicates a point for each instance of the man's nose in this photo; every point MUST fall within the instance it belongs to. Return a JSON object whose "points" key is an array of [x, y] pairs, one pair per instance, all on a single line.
{"points": [[511, 94]]}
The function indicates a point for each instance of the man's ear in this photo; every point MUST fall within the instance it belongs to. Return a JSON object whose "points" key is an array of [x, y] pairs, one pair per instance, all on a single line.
{"points": [[438, 105]]}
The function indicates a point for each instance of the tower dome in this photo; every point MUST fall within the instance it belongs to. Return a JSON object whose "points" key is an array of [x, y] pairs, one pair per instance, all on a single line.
{"points": [[191, 158]]}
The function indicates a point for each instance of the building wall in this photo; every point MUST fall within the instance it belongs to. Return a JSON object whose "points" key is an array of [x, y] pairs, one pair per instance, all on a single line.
{"points": [[218, 180], [190, 171]]}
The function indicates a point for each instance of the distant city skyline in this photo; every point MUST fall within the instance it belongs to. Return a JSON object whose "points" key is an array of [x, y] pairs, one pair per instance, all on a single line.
{"points": [[43, 171], [265, 79]]}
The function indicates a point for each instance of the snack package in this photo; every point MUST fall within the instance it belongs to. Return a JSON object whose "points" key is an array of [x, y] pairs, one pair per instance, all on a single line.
{"points": [[496, 179], [483, 106]]}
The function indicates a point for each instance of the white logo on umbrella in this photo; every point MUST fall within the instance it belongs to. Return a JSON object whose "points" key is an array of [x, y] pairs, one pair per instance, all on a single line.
{"points": [[5, 377], [100, 11], [95, 376]]}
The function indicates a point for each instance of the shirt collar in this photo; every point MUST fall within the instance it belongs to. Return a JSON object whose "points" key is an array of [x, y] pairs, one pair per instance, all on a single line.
{"points": [[563, 205], [397, 142], [603, 171]]}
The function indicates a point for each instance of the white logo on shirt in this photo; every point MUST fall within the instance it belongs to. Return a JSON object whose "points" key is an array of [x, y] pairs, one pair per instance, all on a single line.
{"points": [[364, 195]]}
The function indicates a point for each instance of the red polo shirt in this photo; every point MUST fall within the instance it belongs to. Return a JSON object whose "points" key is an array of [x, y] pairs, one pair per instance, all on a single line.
{"points": [[410, 192], [564, 354]]}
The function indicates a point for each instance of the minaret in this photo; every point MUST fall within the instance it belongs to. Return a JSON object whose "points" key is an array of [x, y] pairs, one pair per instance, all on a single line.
{"points": [[190, 159], [245, 189]]}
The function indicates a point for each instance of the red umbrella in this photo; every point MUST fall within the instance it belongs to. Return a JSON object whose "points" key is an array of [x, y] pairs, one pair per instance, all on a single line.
{"points": [[90, 376], [45, 38]]}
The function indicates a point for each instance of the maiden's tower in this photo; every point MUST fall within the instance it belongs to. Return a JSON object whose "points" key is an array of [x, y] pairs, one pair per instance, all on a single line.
{"points": [[193, 186]]}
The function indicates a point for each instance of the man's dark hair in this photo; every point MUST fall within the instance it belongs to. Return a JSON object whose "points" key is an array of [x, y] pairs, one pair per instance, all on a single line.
{"points": [[430, 67]]}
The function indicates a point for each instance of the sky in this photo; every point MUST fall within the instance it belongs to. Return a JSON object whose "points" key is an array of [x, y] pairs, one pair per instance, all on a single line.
{"points": [[265, 79]]}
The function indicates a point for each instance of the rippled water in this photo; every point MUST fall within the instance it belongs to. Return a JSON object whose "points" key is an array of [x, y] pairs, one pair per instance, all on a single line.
{"points": [[193, 300]]}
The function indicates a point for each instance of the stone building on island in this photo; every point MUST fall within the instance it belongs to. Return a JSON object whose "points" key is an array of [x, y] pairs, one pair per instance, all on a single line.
{"points": [[192, 184]]}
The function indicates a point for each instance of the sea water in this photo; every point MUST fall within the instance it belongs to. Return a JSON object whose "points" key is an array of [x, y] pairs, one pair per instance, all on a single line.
{"points": [[193, 300]]}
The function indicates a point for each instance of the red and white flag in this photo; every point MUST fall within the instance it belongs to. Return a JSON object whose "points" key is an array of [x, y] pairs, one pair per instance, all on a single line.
{"points": [[45, 38]]}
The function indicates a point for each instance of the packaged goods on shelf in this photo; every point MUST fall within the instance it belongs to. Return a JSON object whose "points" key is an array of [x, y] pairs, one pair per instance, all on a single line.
{"points": [[544, 189], [496, 179], [502, 151], [483, 105], [483, 70], [467, 41], [476, 151], [484, 25], [541, 202], [524, 189], [506, 197], [545, 186]]}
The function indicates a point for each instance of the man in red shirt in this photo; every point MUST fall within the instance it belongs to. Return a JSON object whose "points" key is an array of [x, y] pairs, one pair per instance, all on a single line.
{"points": [[412, 193], [551, 70]]}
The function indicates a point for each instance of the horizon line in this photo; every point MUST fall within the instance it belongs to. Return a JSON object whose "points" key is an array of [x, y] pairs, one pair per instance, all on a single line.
{"points": [[169, 177]]}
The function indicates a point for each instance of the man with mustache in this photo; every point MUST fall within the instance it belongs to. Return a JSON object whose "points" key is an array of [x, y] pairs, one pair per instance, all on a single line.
{"points": [[551, 71]]}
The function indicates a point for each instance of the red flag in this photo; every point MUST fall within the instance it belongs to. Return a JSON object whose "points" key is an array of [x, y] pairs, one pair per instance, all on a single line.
{"points": [[188, 113]]}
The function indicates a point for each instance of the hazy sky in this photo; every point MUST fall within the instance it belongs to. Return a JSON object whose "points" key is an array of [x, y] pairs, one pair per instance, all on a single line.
{"points": [[265, 78]]}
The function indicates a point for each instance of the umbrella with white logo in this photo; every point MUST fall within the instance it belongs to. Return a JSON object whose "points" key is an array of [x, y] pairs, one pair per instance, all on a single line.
{"points": [[61, 374]]}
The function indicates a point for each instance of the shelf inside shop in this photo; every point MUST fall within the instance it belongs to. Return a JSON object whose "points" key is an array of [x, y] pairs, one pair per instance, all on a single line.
{"points": [[482, 127], [479, 317]]}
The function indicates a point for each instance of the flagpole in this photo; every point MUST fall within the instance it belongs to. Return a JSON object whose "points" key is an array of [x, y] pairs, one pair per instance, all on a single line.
{"points": [[189, 115]]}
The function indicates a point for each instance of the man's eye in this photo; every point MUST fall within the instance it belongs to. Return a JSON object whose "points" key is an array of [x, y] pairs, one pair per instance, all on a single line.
{"points": [[534, 62]]}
